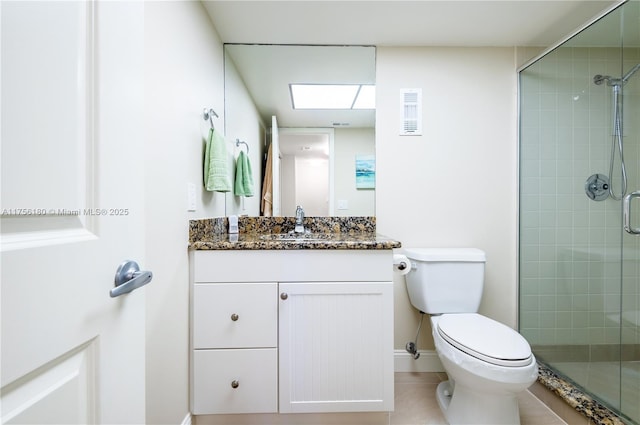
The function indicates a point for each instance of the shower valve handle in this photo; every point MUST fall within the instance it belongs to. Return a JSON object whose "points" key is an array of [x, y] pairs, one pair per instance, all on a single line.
{"points": [[603, 186], [597, 187]]}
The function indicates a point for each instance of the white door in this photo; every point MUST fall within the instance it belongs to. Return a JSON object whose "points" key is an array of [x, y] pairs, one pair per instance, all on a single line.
{"points": [[275, 167], [72, 211]]}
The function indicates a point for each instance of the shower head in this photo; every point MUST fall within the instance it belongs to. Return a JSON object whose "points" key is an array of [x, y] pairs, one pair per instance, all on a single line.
{"points": [[616, 82]]}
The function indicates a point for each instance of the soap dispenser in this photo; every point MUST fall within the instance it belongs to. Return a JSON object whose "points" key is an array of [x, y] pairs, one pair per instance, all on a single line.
{"points": [[233, 224]]}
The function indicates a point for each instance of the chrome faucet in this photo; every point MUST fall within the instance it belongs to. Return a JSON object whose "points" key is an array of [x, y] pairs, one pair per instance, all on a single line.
{"points": [[299, 220]]}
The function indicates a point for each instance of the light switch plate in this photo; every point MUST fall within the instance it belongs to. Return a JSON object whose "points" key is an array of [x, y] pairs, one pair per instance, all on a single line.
{"points": [[191, 197]]}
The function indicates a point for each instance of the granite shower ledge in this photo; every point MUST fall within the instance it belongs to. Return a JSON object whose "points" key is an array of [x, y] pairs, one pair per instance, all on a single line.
{"points": [[574, 397], [254, 234]]}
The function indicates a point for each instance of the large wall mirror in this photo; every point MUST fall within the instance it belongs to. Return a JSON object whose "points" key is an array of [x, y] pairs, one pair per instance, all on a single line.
{"points": [[323, 155]]}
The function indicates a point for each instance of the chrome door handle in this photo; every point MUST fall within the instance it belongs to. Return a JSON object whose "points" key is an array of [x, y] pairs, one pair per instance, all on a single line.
{"points": [[129, 277], [626, 212]]}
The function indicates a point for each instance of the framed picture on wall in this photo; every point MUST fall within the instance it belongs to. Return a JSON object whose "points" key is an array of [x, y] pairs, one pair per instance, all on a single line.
{"points": [[365, 171]]}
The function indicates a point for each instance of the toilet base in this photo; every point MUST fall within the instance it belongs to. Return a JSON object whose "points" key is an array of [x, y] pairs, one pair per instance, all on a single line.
{"points": [[463, 406], [443, 395]]}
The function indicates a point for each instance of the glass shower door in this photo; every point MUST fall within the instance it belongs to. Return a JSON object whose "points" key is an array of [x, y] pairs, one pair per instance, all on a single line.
{"points": [[579, 270], [629, 318], [630, 311]]}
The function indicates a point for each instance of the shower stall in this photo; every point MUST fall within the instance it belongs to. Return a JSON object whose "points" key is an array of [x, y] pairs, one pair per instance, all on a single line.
{"points": [[579, 251]]}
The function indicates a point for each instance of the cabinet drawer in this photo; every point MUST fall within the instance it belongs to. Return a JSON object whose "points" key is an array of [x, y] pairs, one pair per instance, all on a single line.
{"points": [[216, 373], [235, 315], [293, 265]]}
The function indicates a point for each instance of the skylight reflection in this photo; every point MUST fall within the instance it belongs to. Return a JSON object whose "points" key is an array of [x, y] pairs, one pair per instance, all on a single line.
{"points": [[332, 96]]}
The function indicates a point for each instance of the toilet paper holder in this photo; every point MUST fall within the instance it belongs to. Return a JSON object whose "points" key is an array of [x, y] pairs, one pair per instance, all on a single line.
{"points": [[402, 263]]}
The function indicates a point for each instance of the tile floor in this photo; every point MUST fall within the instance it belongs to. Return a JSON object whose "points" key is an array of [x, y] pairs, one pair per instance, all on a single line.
{"points": [[415, 403]]}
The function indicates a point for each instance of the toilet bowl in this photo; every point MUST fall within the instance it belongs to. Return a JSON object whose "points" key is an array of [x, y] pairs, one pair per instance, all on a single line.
{"points": [[487, 362]]}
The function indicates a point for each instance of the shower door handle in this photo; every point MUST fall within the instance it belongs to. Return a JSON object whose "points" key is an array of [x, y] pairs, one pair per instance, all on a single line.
{"points": [[626, 212]]}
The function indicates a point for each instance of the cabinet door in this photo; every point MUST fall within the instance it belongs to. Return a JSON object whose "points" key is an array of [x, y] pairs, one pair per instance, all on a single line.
{"points": [[336, 347]]}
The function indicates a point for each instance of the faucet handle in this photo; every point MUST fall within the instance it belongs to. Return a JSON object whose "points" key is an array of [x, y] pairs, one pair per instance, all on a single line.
{"points": [[299, 220]]}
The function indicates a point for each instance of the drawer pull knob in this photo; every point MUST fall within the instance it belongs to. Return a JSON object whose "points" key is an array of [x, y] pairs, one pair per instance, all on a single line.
{"points": [[284, 296], [235, 384], [234, 317]]}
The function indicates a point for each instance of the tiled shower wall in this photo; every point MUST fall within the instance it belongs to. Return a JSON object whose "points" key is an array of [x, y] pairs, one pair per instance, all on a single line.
{"points": [[631, 243], [570, 246]]}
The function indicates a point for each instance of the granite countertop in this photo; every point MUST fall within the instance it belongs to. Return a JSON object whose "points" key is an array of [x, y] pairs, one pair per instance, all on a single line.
{"points": [[275, 233]]}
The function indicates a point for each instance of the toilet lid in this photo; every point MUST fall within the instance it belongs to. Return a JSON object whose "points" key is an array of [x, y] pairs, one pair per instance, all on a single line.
{"points": [[485, 339]]}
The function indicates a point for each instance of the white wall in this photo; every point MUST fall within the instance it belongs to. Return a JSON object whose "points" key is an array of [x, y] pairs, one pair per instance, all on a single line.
{"points": [[183, 75], [350, 142], [456, 185]]}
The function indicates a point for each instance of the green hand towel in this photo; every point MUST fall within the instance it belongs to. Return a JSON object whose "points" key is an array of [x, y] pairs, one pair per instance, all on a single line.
{"points": [[216, 174], [244, 177]]}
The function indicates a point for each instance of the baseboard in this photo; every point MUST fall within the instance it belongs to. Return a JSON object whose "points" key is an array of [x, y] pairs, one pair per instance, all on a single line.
{"points": [[427, 362], [186, 420]]}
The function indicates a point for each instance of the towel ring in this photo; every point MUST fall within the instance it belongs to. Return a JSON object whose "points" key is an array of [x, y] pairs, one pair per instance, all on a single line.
{"points": [[208, 114], [238, 141]]}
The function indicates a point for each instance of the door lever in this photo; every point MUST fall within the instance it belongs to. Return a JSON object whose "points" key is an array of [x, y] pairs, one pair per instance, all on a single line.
{"points": [[129, 277], [626, 212]]}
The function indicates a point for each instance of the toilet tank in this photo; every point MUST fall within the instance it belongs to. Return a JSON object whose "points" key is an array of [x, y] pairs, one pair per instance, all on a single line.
{"points": [[445, 280]]}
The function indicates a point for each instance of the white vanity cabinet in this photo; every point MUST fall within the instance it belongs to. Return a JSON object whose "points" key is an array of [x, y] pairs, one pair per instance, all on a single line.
{"points": [[313, 331], [234, 348]]}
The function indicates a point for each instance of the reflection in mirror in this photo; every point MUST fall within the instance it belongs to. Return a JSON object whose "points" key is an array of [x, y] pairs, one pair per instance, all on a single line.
{"points": [[304, 165], [317, 149]]}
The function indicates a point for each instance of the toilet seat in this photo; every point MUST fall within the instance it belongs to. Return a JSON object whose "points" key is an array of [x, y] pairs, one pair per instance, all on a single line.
{"points": [[485, 339]]}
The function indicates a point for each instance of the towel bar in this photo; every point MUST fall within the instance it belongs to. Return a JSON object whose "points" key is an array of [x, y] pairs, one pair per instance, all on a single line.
{"points": [[238, 141], [209, 114]]}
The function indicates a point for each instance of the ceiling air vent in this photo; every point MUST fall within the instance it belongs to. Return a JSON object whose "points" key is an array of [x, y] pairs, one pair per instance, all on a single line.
{"points": [[411, 104]]}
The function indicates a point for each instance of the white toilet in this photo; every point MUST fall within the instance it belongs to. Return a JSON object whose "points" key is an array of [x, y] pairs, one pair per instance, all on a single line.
{"points": [[487, 362]]}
